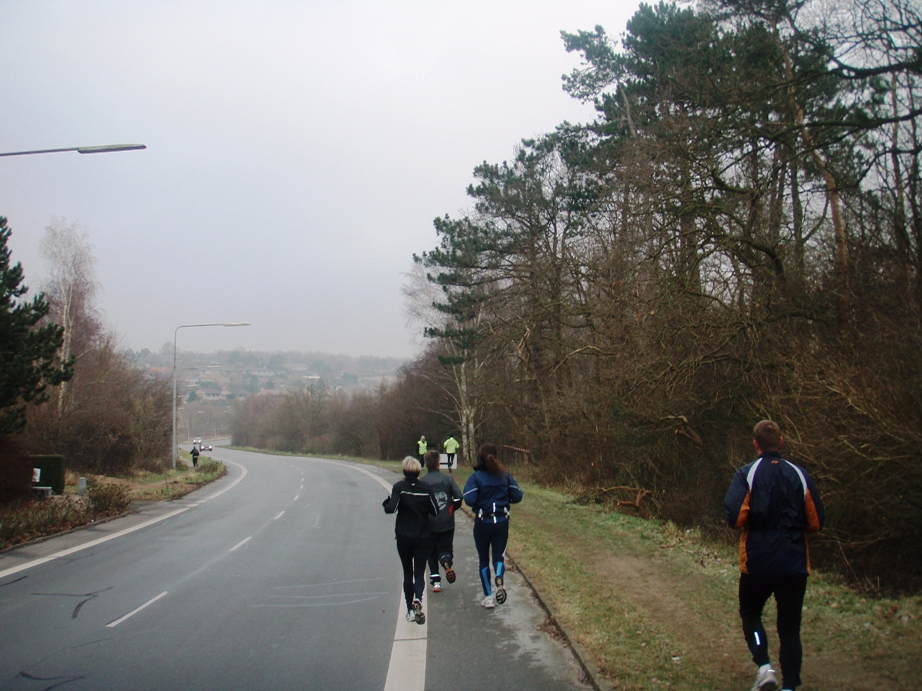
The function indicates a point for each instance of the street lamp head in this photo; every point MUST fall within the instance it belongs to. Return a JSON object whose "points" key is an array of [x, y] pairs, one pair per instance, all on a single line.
{"points": [[110, 147], [106, 148]]}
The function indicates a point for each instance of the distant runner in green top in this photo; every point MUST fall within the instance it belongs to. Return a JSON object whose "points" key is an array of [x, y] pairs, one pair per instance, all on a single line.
{"points": [[423, 447], [451, 448]]}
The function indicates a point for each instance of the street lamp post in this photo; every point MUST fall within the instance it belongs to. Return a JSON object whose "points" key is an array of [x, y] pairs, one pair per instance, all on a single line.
{"points": [[175, 449], [106, 148]]}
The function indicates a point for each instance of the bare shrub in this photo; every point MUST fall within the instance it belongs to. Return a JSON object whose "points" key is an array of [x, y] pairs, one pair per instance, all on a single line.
{"points": [[108, 500]]}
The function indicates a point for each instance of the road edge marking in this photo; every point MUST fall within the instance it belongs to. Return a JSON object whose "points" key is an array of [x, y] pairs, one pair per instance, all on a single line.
{"points": [[92, 543]]}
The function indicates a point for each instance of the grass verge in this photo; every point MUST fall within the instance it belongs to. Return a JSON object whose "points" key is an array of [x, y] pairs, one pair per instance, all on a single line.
{"points": [[654, 606]]}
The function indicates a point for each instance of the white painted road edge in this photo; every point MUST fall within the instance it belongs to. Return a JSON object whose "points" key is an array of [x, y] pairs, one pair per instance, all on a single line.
{"points": [[126, 531], [87, 545], [407, 668]]}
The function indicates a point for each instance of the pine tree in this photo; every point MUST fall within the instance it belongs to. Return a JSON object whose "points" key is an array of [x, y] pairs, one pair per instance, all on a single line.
{"points": [[30, 358]]}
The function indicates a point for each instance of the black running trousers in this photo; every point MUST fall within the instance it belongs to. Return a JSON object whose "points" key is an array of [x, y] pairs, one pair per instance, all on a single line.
{"points": [[789, 593]]}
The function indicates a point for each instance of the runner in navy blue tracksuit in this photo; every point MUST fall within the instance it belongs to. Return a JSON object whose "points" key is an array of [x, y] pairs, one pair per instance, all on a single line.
{"points": [[489, 491], [776, 504], [413, 502]]}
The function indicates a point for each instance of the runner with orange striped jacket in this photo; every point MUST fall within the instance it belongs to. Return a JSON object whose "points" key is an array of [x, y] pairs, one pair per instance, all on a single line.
{"points": [[776, 504]]}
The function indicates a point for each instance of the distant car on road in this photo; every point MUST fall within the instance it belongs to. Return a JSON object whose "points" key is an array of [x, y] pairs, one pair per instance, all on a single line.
{"points": [[202, 446]]}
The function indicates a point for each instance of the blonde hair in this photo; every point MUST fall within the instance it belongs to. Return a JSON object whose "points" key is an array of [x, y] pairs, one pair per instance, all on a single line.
{"points": [[411, 465]]}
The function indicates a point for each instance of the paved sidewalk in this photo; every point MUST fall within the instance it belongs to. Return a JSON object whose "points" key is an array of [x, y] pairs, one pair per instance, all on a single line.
{"points": [[509, 647]]}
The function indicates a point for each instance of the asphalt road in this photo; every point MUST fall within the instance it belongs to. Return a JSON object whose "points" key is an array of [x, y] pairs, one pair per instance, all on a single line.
{"points": [[283, 574]]}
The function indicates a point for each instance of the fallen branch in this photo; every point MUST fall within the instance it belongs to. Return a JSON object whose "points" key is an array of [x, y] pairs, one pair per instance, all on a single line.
{"points": [[639, 492]]}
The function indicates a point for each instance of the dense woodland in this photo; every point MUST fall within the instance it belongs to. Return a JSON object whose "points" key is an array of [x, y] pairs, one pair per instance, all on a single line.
{"points": [[737, 235]]}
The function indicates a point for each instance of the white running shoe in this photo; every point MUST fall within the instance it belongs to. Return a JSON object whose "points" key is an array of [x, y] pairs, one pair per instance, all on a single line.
{"points": [[488, 602], [765, 679], [437, 587], [411, 616]]}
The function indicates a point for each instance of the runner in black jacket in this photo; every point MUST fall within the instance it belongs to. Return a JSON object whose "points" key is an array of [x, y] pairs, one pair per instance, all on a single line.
{"points": [[413, 502]]}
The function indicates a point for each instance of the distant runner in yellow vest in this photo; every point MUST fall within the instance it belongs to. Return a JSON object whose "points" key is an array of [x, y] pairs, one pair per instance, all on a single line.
{"points": [[423, 447], [451, 448]]}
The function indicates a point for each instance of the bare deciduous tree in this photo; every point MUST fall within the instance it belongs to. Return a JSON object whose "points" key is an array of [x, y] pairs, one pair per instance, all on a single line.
{"points": [[71, 288]]}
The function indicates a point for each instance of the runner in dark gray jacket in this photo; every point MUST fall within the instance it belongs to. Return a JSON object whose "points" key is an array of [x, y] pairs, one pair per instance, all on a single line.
{"points": [[441, 527]]}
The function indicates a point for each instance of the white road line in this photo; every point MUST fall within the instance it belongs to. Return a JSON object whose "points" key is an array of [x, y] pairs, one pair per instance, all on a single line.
{"points": [[240, 544], [87, 545], [135, 611], [407, 668], [280, 514], [73, 550], [243, 474]]}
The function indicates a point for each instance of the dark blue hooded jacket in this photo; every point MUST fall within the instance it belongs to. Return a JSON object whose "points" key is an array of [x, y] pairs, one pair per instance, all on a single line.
{"points": [[490, 496], [776, 504]]}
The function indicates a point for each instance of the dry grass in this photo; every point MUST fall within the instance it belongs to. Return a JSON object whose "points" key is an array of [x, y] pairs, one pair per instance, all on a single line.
{"points": [[654, 606]]}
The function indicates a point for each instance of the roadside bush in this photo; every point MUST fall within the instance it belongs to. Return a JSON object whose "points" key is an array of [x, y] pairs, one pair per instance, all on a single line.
{"points": [[209, 470], [109, 499], [27, 520], [108, 430]]}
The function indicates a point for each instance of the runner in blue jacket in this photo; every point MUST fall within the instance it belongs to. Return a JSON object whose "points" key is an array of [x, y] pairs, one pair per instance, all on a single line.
{"points": [[776, 504], [489, 491]]}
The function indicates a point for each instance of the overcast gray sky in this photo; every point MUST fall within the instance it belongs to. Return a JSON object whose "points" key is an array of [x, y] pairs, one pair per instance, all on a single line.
{"points": [[297, 151]]}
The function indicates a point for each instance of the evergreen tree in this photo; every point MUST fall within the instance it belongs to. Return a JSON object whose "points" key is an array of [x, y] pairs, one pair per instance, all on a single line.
{"points": [[29, 351]]}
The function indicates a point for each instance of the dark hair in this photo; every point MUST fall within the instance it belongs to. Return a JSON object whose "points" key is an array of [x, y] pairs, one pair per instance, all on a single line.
{"points": [[767, 435], [432, 460], [486, 460]]}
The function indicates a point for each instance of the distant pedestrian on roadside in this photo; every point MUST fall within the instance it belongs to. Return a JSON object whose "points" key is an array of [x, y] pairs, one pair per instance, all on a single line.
{"points": [[442, 526], [414, 503], [422, 447], [489, 491], [451, 448], [195, 455], [776, 504]]}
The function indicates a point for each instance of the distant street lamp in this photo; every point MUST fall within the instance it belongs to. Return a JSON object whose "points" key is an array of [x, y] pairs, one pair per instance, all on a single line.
{"points": [[175, 449], [106, 148]]}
